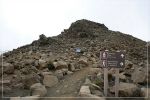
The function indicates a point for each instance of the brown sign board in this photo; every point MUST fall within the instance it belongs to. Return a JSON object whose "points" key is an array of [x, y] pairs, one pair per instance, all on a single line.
{"points": [[112, 59]]}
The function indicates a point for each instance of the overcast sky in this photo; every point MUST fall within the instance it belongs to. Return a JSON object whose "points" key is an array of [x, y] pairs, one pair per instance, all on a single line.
{"points": [[22, 21]]}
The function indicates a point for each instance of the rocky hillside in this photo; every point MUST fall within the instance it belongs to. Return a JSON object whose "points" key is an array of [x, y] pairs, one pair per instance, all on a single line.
{"points": [[52, 58]]}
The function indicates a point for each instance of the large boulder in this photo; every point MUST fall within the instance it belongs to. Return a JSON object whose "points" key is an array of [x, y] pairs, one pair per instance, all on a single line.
{"points": [[38, 89], [86, 93], [127, 90], [29, 80], [50, 80], [139, 75]]}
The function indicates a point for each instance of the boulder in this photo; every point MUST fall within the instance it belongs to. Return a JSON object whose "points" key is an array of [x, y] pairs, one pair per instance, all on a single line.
{"points": [[127, 90], [139, 75], [28, 62], [93, 59], [97, 93], [8, 68], [60, 64], [59, 74], [128, 64], [84, 90], [42, 64], [71, 67], [33, 68], [64, 71], [83, 60], [29, 80], [50, 80], [46, 73], [25, 70], [38, 89], [69, 72]]}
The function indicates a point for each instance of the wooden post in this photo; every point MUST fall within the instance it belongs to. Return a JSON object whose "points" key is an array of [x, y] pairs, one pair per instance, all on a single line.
{"points": [[116, 82], [105, 81]]}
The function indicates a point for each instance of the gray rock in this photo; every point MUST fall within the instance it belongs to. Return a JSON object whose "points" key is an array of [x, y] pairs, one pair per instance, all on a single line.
{"points": [[128, 64], [127, 90], [42, 64], [50, 80], [38, 89], [84, 90], [59, 74], [97, 93], [64, 71], [83, 60], [71, 67], [69, 72], [139, 75], [29, 80], [60, 64]]}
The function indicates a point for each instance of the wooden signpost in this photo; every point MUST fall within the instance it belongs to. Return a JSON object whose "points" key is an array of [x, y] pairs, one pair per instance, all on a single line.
{"points": [[112, 60]]}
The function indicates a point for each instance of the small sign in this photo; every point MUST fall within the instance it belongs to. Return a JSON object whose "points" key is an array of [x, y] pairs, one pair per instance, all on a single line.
{"points": [[78, 50]]}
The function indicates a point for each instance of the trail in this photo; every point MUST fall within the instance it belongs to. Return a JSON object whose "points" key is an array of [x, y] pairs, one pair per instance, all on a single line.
{"points": [[70, 86]]}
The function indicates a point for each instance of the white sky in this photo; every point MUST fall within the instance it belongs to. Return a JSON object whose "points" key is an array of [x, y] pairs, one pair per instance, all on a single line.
{"points": [[22, 21]]}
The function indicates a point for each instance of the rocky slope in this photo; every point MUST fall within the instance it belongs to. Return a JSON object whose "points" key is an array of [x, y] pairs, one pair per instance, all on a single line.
{"points": [[49, 59]]}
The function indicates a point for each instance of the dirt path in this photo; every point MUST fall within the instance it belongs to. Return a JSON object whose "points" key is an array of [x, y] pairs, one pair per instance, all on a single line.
{"points": [[70, 86]]}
